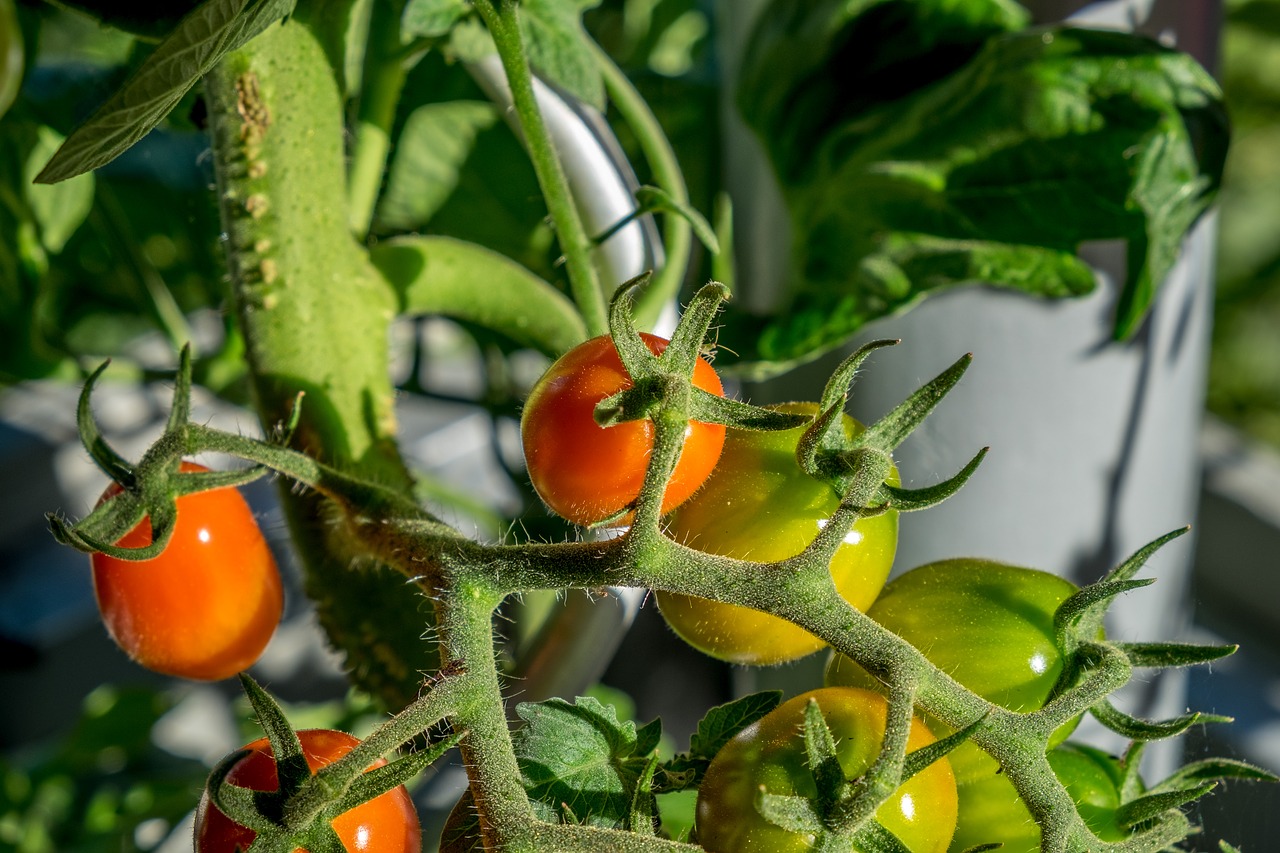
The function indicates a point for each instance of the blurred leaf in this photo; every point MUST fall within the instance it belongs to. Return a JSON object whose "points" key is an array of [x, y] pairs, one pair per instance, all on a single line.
{"points": [[435, 144], [204, 36], [58, 209], [11, 55], [993, 173], [431, 18]]}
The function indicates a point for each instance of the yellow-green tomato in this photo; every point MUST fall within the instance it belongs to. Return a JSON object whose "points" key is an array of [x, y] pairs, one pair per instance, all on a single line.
{"points": [[771, 753], [988, 625], [759, 505]]}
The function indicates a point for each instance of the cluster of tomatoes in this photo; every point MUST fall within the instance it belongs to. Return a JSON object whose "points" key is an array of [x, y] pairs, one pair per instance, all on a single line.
{"points": [[207, 606], [742, 494]]}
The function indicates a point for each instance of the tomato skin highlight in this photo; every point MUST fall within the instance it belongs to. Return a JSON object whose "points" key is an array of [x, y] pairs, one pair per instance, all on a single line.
{"points": [[759, 505], [988, 625], [386, 824], [207, 606], [771, 752], [587, 473]]}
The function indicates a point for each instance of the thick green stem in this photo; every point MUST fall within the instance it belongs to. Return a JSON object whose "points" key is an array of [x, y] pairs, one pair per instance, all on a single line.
{"points": [[315, 315], [575, 243]]}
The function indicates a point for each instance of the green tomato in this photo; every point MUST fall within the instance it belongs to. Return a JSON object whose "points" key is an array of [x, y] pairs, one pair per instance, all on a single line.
{"points": [[771, 753], [759, 505], [986, 624], [991, 810]]}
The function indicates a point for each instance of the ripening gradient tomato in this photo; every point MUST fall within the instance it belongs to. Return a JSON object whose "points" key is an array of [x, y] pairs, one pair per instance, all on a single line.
{"points": [[771, 753], [206, 607], [386, 824], [587, 473], [986, 624], [759, 505]]}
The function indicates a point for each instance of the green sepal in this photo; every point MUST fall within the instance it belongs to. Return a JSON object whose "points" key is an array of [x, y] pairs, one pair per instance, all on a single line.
{"points": [[632, 352], [911, 500], [291, 763], [1131, 784], [824, 765], [792, 813], [242, 805], [379, 780], [1080, 616], [921, 758], [983, 848], [1138, 559], [712, 408], [106, 458], [180, 410], [1226, 847], [836, 391], [1153, 805], [193, 482], [1136, 729], [115, 518], [1160, 655], [892, 429], [682, 353], [1212, 769]]}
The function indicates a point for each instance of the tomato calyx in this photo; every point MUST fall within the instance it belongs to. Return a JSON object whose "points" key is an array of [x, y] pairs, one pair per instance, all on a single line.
{"points": [[301, 811], [150, 488], [841, 813]]}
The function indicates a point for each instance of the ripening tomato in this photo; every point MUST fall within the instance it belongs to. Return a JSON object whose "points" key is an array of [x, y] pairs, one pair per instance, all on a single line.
{"points": [[771, 753], [206, 607], [986, 624], [386, 824], [760, 505], [587, 473]]}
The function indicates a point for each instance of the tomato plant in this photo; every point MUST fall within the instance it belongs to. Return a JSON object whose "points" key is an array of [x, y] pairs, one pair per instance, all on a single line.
{"points": [[759, 505], [386, 824], [587, 473], [771, 754], [206, 607], [989, 625]]}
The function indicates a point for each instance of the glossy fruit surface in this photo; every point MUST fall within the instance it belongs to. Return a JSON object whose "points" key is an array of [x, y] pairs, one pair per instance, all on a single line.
{"points": [[759, 505], [587, 473], [991, 810], [206, 607], [386, 824], [771, 752], [988, 625]]}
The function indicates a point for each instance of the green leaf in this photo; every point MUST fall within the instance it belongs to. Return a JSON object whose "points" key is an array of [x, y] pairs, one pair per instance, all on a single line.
{"points": [[436, 142], [212, 30], [994, 170], [454, 278], [559, 48], [719, 725], [57, 210], [578, 757], [431, 18]]}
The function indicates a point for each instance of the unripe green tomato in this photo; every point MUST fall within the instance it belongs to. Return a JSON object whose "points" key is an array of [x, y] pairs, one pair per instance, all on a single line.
{"points": [[759, 505], [771, 753], [988, 625], [991, 810]]}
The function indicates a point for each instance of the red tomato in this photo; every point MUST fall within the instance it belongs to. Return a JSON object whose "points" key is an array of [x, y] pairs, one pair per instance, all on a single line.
{"points": [[386, 824], [206, 607], [587, 473]]}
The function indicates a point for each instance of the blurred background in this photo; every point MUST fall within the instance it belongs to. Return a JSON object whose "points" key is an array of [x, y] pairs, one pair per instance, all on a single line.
{"points": [[98, 755]]}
